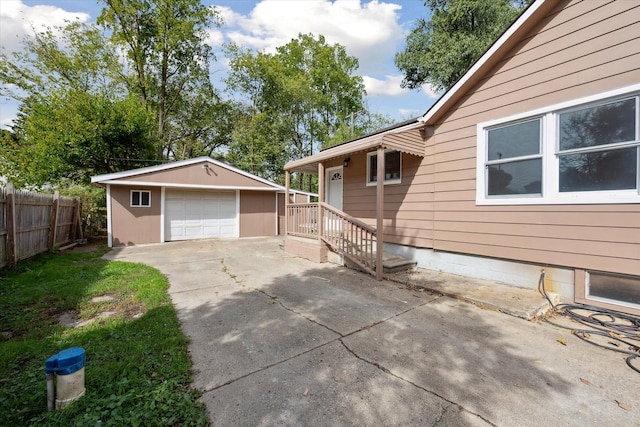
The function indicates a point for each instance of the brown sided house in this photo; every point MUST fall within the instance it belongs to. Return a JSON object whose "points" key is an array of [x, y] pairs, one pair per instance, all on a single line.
{"points": [[192, 199], [530, 162]]}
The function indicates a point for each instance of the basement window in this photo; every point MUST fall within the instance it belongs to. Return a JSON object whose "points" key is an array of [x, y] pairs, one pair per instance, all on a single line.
{"points": [[613, 289], [140, 198]]}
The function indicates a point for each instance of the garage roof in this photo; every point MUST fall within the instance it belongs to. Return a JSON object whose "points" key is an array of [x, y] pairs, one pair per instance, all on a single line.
{"points": [[216, 175]]}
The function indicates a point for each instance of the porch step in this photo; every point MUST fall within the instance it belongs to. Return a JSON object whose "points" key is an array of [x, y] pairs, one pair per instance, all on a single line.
{"points": [[392, 263]]}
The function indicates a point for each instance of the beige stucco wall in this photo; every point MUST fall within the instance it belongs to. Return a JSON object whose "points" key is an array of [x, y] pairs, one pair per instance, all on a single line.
{"points": [[134, 225], [579, 49]]}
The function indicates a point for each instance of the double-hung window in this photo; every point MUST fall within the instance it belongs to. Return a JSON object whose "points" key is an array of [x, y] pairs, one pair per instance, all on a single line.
{"points": [[585, 151], [514, 159], [140, 198]]}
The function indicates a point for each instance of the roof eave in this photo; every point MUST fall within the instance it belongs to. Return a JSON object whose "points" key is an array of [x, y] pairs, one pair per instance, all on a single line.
{"points": [[391, 138], [527, 19]]}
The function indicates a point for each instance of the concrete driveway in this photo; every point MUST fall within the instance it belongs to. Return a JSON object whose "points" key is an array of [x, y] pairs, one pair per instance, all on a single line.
{"points": [[278, 340]]}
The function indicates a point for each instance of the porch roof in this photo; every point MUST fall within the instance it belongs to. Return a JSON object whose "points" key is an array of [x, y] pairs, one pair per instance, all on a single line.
{"points": [[408, 137]]}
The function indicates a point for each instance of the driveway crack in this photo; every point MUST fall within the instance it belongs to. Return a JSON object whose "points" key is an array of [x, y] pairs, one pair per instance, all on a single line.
{"points": [[225, 270], [340, 339], [390, 373], [277, 301], [269, 366]]}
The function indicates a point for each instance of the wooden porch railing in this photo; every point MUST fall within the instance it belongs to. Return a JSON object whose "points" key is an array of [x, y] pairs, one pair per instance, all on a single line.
{"points": [[345, 234], [302, 220]]}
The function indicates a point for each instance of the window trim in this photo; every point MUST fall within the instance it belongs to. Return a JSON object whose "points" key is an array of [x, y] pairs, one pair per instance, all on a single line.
{"points": [[140, 195], [539, 155], [386, 181], [550, 155]]}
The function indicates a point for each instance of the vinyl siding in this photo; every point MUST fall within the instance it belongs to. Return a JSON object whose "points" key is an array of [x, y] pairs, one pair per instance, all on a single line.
{"points": [[134, 225], [257, 213], [580, 49], [407, 217]]}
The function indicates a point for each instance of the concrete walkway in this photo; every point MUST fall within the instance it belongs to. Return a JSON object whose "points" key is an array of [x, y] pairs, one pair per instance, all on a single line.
{"points": [[277, 340]]}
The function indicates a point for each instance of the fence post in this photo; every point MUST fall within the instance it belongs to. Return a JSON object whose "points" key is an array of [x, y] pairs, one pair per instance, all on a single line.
{"points": [[12, 250], [76, 226], [54, 220]]}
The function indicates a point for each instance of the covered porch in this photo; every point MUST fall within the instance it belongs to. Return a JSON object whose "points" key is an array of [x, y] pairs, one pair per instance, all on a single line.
{"points": [[313, 229]]}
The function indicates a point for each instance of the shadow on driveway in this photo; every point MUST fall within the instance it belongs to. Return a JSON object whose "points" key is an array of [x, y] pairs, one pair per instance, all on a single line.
{"points": [[277, 340]]}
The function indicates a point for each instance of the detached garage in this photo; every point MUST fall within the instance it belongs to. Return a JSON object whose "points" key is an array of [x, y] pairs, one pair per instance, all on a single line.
{"points": [[191, 199]]}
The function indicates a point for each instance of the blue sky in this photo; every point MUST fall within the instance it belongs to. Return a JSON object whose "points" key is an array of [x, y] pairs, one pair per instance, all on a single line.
{"points": [[372, 31]]}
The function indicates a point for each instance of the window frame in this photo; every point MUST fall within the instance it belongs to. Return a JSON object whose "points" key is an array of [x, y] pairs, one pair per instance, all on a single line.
{"points": [[550, 150], [386, 181], [140, 205], [501, 161]]}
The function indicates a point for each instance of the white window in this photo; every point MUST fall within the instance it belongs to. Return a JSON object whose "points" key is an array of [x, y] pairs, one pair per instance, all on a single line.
{"points": [[392, 167], [140, 198], [585, 151], [514, 159]]}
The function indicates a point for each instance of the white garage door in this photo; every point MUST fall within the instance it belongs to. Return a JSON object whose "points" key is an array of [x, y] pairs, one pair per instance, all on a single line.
{"points": [[199, 214]]}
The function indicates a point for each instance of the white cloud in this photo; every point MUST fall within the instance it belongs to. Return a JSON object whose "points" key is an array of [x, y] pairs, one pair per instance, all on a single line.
{"points": [[370, 31], [429, 91], [18, 20], [214, 37], [390, 86]]}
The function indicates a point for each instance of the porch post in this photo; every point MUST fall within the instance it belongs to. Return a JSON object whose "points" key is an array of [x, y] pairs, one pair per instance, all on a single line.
{"points": [[320, 200], [380, 213], [287, 180]]}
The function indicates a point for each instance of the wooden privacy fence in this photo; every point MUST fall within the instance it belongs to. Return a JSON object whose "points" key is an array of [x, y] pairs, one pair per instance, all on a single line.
{"points": [[32, 223]]}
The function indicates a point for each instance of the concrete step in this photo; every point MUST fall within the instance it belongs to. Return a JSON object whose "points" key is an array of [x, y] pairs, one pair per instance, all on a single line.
{"points": [[392, 263]]}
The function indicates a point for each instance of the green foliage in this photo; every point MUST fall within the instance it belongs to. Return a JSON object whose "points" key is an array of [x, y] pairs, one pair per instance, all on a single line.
{"points": [[137, 370], [440, 50], [94, 209], [361, 125], [75, 57], [74, 135], [295, 98], [75, 119], [258, 147], [165, 44]]}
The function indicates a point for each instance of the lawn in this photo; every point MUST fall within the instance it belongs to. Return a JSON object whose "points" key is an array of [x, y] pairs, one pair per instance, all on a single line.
{"points": [[137, 368]]}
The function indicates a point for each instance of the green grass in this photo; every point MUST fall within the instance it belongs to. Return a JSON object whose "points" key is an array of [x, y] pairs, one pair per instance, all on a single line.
{"points": [[137, 368]]}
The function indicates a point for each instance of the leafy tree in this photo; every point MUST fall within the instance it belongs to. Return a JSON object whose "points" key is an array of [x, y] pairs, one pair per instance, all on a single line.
{"points": [[75, 119], [258, 147], [74, 135], [440, 50], [296, 98], [164, 41], [73, 57], [359, 125]]}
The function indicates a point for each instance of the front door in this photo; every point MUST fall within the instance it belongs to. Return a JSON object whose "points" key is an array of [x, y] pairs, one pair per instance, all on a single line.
{"points": [[333, 187]]}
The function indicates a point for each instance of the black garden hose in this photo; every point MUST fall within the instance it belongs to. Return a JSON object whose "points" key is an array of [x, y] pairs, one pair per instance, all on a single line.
{"points": [[619, 328]]}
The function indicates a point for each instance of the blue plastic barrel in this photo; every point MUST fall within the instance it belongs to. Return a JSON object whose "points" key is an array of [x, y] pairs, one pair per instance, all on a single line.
{"points": [[66, 362]]}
